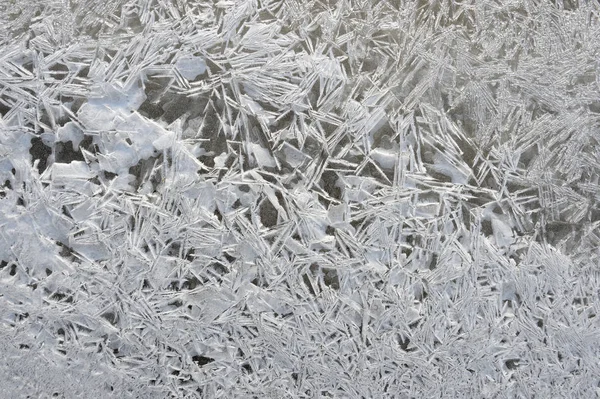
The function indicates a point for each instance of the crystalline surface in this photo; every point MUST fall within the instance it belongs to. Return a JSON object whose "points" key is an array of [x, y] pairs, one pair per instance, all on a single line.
{"points": [[299, 199]]}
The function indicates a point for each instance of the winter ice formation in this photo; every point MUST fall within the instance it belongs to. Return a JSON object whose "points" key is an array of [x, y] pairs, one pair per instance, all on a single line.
{"points": [[299, 199]]}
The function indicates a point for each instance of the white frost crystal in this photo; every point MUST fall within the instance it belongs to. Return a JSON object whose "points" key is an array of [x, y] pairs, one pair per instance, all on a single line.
{"points": [[299, 199]]}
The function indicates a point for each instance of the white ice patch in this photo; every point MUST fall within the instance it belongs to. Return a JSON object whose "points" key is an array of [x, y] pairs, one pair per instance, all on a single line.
{"points": [[293, 156], [262, 156], [386, 159], [124, 138], [190, 67], [70, 132], [113, 96], [457, 174], [67, 171]]}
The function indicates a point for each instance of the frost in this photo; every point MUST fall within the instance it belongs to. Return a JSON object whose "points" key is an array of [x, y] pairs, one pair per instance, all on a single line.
{"points": [[299, 199]]}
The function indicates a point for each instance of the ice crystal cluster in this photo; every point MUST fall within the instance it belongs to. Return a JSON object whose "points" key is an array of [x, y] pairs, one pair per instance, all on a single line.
{"points": [[299, 199]]}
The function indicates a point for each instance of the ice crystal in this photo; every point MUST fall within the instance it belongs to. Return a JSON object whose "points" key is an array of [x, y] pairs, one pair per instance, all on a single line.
{"points": [[299, 199]]}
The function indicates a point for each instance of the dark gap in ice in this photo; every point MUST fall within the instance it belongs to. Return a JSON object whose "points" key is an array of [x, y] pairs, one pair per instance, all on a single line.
{"points": [[486, 228], [512, 364], [268, 214], [65, 251], [228, 257], [174, 286], [219, 268], [207, 160], [202, 360], [111, 317], [40, 151], [540, 323], [329, 181], [59, 71], [109, 175], [331, 278], [66, 154], [176, 108], [77, 104], [84, 72], [28, 66], [4, 108], [433, 264], [382, 138], [59, 296], [151, 110], [190, 255], [176, 304], [306, 280], [247, 368]]}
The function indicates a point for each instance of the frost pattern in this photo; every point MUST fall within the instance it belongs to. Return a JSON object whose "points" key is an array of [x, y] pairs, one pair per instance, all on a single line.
{"points": [[299, 199]]}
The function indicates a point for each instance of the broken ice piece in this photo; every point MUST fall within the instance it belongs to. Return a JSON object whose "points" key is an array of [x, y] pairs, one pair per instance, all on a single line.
{"points": [[123, 182], [384, 158], [221, 160], [120, 159], [338, 215], [249, 104], [458, 175], [262, 156], [204, 193], [115, 97], [70, 132], [413, 314], [82, 211], [503, 233], [292, 155], [190, 67], [73, 170], [326, 243], [165, 141]]}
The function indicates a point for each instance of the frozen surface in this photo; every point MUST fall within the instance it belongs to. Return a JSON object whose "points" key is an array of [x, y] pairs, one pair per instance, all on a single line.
{"points": [[299, 199]]}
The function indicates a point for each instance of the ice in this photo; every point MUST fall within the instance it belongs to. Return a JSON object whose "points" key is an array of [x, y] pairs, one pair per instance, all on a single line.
{"points": [[115, 97], [457, 175], [299, 199], [70, 132], [338, 214], [262, 156], [190, 67], [165, 141], [384, 158], [75, 170]]}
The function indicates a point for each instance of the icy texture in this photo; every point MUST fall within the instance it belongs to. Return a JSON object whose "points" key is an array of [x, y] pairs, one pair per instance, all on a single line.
{"points": [[299, 199]]}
